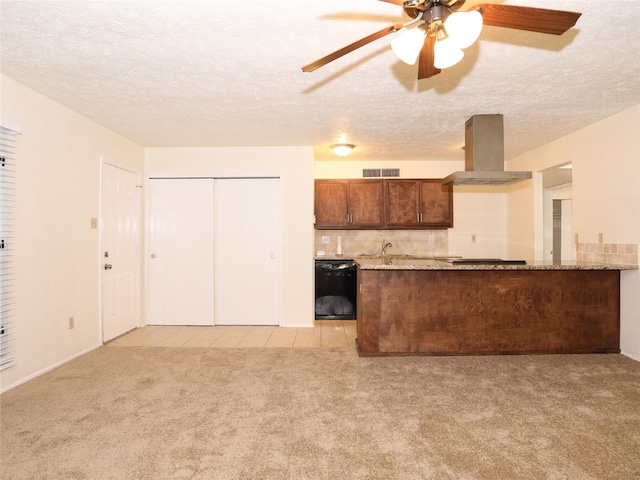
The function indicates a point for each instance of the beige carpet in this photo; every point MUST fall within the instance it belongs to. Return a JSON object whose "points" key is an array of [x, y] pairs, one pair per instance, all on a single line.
{"points": [[172, 413]]}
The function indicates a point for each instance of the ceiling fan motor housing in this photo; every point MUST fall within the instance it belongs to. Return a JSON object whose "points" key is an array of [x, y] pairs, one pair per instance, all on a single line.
{"points": [[435, 13]]}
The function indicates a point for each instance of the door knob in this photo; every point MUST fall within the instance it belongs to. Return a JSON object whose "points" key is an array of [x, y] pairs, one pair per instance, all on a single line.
{"points": [[107, 266]]}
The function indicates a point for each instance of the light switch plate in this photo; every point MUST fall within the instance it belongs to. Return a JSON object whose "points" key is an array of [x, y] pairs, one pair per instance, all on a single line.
{"points": [[325, 239]]}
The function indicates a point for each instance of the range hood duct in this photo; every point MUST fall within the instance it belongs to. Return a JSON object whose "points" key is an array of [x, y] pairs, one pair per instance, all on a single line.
{"points": [[484, 155]]}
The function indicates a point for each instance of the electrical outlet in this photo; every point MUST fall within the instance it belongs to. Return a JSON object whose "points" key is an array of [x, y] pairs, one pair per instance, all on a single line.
{"points": [[601, 238], [473, 239], [577, 240], [94, 223], [72, 323], [325, 239], [431, 238]]}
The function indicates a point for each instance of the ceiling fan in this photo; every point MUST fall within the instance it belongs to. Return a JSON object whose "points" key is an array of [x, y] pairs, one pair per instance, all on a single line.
{"points": [[438, 31]]}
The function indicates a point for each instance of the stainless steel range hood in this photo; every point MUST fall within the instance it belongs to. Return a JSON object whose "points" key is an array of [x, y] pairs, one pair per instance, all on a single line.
{"points": [[484, 155]]}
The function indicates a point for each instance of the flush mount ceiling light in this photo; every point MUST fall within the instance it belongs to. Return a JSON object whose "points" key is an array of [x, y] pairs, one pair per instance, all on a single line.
{"points": [[438, 32], [342, 149]]}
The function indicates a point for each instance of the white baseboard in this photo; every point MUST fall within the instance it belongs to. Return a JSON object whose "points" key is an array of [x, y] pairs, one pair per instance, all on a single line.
{"points": [[633, 357], [47, 369]]}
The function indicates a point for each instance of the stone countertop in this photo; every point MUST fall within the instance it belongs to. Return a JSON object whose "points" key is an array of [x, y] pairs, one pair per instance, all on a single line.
{"points": [[403, 263], [335, 257], [394, 256]]}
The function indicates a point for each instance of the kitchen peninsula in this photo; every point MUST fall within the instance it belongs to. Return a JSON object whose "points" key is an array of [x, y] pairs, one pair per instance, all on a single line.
{"points": [[413, 306]]}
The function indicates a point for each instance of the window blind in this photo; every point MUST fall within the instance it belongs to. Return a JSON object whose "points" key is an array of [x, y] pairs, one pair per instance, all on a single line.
{"points": [[7, 249]]}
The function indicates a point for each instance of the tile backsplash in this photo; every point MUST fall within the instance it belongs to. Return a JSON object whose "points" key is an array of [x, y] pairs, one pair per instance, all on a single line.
{"points": [[611, 253], [408, 242]]}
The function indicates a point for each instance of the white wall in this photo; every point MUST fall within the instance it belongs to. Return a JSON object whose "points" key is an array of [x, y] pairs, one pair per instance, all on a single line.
{"points": [[606, 197], [408, 168], [57, 262], [524, 207], [294, 166], [606, 161], [479, 222]]}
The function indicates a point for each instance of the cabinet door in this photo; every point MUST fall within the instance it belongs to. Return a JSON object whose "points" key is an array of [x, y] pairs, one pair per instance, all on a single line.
{"points": [[365, 203], [331, 203], [402, 203], [436, 204]]}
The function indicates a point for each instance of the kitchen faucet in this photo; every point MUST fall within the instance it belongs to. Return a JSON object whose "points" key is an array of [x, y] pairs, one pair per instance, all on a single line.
{"points": [[385, 244]]}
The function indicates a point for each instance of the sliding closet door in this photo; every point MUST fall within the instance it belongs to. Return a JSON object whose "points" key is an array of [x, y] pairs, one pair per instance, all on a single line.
{"points": [[180, 255], [247, 251]]}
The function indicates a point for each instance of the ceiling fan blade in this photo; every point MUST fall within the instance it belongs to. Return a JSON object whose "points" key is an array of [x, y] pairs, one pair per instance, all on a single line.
{"points": [[425, 62], [395, 2], [350, 48], [540, 20]]}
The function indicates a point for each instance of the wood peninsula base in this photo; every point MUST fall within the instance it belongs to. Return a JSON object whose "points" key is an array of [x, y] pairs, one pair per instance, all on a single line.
{"points": [[467, 312]]}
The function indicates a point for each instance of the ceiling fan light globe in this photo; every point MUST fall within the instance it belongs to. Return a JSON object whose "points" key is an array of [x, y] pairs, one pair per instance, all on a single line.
{"points": [[464, 27], [408, 45], [446, 54]]}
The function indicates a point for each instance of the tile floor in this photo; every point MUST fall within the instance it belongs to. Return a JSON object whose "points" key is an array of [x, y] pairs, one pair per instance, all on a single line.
{"points": [[325, 334]]}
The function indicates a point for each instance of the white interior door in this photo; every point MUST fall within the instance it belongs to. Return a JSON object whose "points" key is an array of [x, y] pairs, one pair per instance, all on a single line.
{"points": [[180, 251], [119, 256], [247, 251]]}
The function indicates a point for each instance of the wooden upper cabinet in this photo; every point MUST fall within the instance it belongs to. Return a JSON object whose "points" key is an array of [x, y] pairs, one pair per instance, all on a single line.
{"points": [[383, 203], [403, 203], [349, 204], [331, 203], [436, 204], [420, 203], [366, 206]]}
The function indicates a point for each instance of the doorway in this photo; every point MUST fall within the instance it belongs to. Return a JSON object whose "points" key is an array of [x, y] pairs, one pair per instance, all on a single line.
{"points": [[559, 243], [118, 250], [563, 244]]}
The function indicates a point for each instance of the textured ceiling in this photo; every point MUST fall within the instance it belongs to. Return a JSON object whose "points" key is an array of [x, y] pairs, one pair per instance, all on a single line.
{"points": [[227, 73]]}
